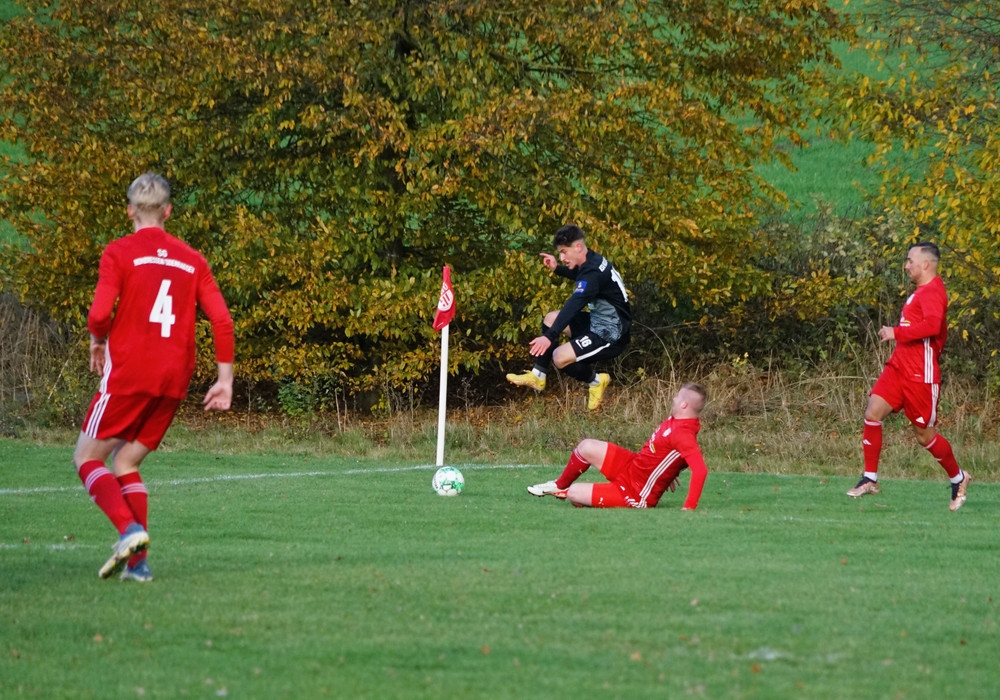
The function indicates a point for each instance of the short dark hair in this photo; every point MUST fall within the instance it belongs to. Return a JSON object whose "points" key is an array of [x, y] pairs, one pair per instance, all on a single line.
{"points": [[567, 235], [929, 248]]}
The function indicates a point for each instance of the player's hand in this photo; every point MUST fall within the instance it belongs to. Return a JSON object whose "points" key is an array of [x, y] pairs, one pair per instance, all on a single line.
{"points": [[886, 333], [539, 345], [219, 397], [672, 486], [549, 261], [98, 354]]}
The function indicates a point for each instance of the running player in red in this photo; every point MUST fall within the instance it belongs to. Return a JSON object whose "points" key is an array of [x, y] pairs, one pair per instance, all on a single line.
{"points": [[142, 344], [911, 380], [638, 479]]}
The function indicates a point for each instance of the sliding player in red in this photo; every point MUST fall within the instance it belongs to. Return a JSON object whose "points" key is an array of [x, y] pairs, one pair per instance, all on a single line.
{"points": [[142, 344], [911, 380], [638, 479]]}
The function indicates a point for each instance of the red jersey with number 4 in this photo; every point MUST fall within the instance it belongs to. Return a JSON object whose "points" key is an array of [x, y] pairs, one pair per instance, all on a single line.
{"points": [[667, 451], [921, 333], [159, 282]]}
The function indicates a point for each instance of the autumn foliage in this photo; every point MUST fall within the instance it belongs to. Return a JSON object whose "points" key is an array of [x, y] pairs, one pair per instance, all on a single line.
{"points": [[329, 158], [933, 115]]}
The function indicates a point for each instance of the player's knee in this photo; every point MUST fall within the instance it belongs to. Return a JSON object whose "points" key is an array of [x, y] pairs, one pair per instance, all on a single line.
{"points": [[563, 356], [589, 449], [579, 495]]}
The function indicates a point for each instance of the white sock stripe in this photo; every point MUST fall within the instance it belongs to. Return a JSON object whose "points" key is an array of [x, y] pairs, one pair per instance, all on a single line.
{"points": [[135, 488], [873, 423], [95, 475]]}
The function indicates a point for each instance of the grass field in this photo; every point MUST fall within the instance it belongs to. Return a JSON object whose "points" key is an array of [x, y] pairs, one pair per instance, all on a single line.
{"points": [[296, 576]]}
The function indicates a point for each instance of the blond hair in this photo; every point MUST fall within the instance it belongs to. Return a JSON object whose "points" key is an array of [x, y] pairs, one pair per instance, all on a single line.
{"points": [[149, 196], [700, 391]]}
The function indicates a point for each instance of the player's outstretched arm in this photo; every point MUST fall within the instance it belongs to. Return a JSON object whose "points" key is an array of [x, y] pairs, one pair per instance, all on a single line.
{"points": [[220, 395], [699, 472]]}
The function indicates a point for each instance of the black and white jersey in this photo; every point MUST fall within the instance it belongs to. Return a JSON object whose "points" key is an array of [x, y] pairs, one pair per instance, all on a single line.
{"points": [[598, 285]]}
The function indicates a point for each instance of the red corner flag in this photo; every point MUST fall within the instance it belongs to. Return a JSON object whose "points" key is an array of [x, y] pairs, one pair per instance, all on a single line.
{"points": [[446, 303]]}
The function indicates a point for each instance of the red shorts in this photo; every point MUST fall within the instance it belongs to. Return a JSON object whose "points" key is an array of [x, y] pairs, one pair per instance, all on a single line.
{"points": [[130, 417], [918, 400], [612, 495]]}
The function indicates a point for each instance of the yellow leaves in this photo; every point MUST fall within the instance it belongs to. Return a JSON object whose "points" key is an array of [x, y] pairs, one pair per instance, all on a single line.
{"points": [[334, 175]]}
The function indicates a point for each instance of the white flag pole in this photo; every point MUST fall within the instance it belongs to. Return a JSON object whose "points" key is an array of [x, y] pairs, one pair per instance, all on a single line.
{"points": [[442, 399]]}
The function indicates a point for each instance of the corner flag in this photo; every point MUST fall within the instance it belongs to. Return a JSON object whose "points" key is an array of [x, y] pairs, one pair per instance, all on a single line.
{"points": [[445, 312], [446, 302]]}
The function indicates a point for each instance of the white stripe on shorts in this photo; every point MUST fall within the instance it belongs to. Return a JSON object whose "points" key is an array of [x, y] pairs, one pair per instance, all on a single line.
{"points": [[94, 424]]}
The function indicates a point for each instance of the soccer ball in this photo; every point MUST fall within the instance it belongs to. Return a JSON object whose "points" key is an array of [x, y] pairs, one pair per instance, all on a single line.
{"points": [[448, 481]]}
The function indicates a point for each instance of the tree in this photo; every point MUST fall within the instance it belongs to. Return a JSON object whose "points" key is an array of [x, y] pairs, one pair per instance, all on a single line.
{"points": [[330, 157], [934, 120]]}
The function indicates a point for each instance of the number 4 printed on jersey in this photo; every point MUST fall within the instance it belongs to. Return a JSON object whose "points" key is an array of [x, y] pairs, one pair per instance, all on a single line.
{"points": [[163, 310]]}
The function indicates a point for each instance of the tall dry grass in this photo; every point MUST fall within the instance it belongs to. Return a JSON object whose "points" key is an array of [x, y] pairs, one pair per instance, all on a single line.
{"points": [[40, 370], [761, 419]]}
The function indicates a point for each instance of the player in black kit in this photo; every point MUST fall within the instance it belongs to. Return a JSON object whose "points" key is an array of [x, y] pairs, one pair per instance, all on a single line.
{"points": [[598, 334]]}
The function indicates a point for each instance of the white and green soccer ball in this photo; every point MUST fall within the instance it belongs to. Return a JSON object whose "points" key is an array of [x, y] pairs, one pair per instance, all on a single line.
{"points": [[448, 481]]}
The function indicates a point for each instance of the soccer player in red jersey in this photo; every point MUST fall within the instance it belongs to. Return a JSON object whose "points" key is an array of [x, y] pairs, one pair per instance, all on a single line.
{"points": [[142, 344], [638, 479], [911, 379]]}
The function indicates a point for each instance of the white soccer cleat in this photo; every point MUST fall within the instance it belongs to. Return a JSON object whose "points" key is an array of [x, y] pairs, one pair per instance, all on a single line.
{"points": [[135, 540], [959, 492], [549, 488]]}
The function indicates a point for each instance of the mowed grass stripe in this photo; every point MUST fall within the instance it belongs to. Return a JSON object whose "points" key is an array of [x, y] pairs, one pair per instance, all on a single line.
{"points": [[273, 475]]}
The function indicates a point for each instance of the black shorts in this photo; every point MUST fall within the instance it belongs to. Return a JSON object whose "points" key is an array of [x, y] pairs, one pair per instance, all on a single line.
{"points": [[590, 347]]}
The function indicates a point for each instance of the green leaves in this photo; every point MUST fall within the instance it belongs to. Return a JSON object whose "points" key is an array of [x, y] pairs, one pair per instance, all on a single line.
{"points": [[933, 118]]}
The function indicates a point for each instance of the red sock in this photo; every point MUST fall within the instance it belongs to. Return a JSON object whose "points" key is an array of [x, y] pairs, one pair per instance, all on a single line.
{"points": [[137, 498], [576, 466], [940, 449], [871, 444], [106, 493]]}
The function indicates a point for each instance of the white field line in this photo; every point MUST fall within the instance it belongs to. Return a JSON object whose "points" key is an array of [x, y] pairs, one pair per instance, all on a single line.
{"points": [[272, 475], [387, 470]]}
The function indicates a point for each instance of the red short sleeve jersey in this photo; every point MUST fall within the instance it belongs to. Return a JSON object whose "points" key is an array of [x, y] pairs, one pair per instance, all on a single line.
{"points": [[670, 449], [921, 333], [158, 282]]}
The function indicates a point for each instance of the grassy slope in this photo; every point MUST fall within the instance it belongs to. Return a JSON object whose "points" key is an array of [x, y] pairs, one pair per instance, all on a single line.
{"points": [[828, 172], [351, 582]]}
